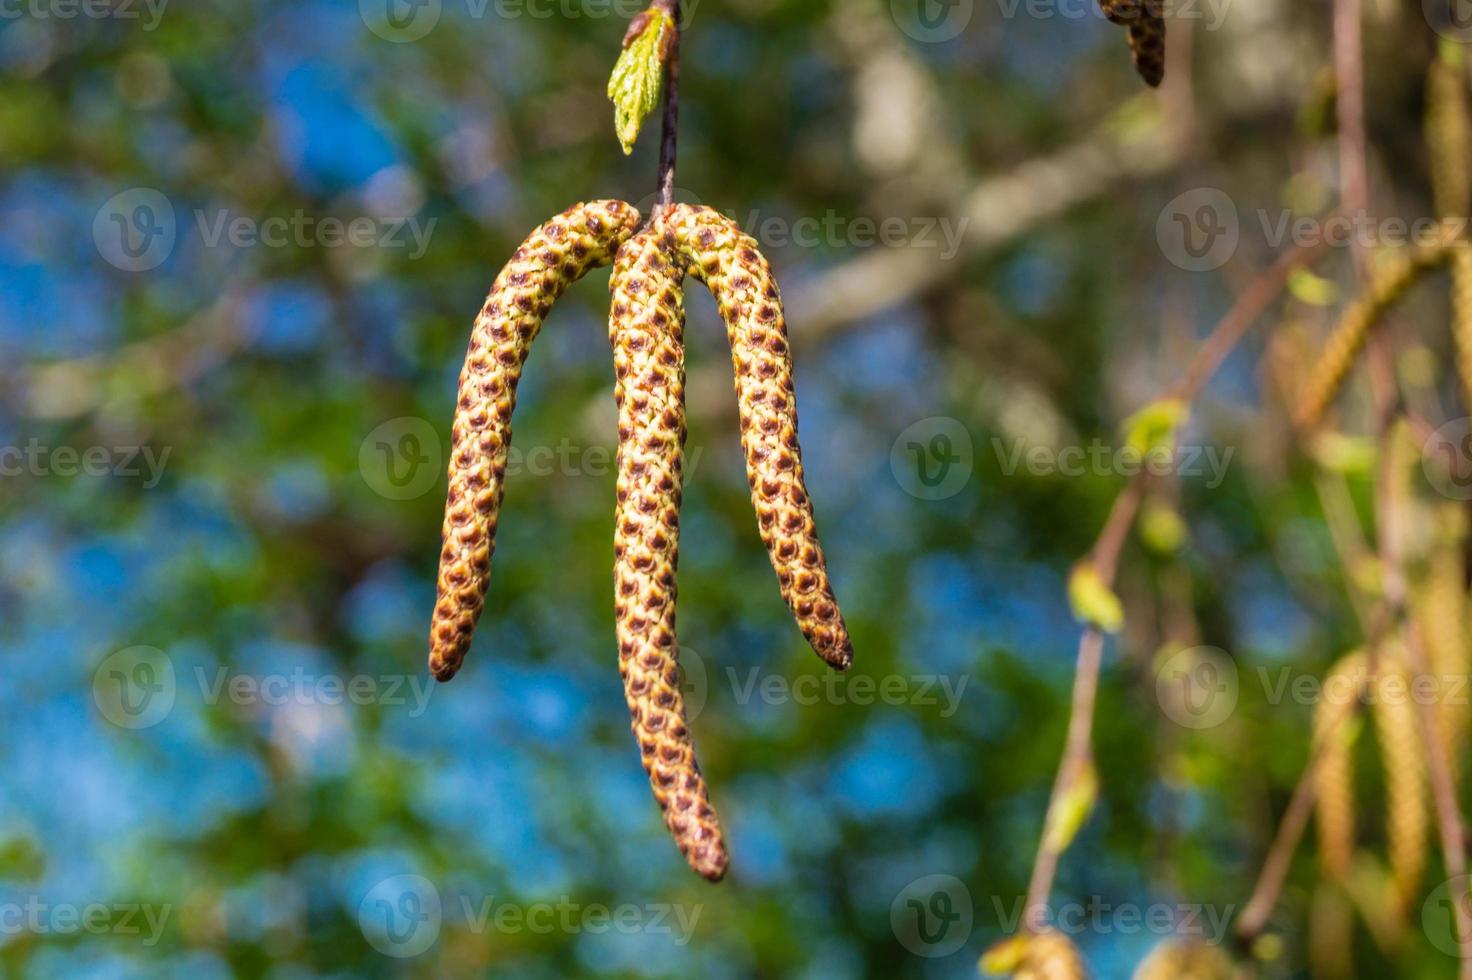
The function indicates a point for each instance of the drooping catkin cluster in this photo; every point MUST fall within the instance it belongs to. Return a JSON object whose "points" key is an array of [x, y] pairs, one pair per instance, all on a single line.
{"points": [[646, 329], [1398, 272], [1334, 732], [1185, 959], [727, 260], [1144, 22], [1403, 752], [552, 258]]}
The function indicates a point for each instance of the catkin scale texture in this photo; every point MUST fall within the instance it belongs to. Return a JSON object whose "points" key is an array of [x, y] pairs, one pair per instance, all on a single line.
{"points": [[551, 259], [646, 331], [719, 254]]}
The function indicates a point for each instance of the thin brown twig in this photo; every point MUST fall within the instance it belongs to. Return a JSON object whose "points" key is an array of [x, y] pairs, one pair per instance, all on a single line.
{"points": [[671, 120]]}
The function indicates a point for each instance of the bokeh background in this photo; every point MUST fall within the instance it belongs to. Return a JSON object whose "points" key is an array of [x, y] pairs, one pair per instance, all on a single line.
{"points": [[241, 245]]}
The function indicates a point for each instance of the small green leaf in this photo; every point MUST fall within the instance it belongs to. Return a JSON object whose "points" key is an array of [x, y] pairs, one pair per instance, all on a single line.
{"points": [[1074, 807], [1344, 454], [1153, 428], [1161, 527], [1004, 956], [1312, 289], [1093, 601], [638, 75]]}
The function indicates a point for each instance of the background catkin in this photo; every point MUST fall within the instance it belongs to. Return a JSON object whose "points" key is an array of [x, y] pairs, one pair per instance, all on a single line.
{"points": [[1389, 282], [1185, 959], [1334, 779], [1461, 274], [1440, 607], [1448, 132], [1398, 728], [552, 258], [720, 255], [1145, 27], [1449, 145], [646, 328], [1051, 956]]}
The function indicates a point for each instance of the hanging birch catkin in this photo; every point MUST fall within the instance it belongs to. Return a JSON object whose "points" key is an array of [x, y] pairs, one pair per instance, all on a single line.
{"points": [[1334, 732], [552, 258], [1406, 797], [1144, 24], [727, 260], [1397, 273], [646, 329]]}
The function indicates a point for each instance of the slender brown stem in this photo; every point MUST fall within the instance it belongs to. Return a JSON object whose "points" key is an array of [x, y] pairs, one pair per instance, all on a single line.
{"points": [[671, 120], [1105, 553], [1076, 755]]}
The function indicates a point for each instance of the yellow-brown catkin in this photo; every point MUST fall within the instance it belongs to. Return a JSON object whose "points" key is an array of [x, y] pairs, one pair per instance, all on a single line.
{"points": [[1145, 27], [1440, 607], [1051, 956], [646, 329], [1449, 147], [1448, 133], [1461, 275], [1388, 284], [1185, 959], [1334, 777], [552, 258], [720, 255], [1403, 752]]}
